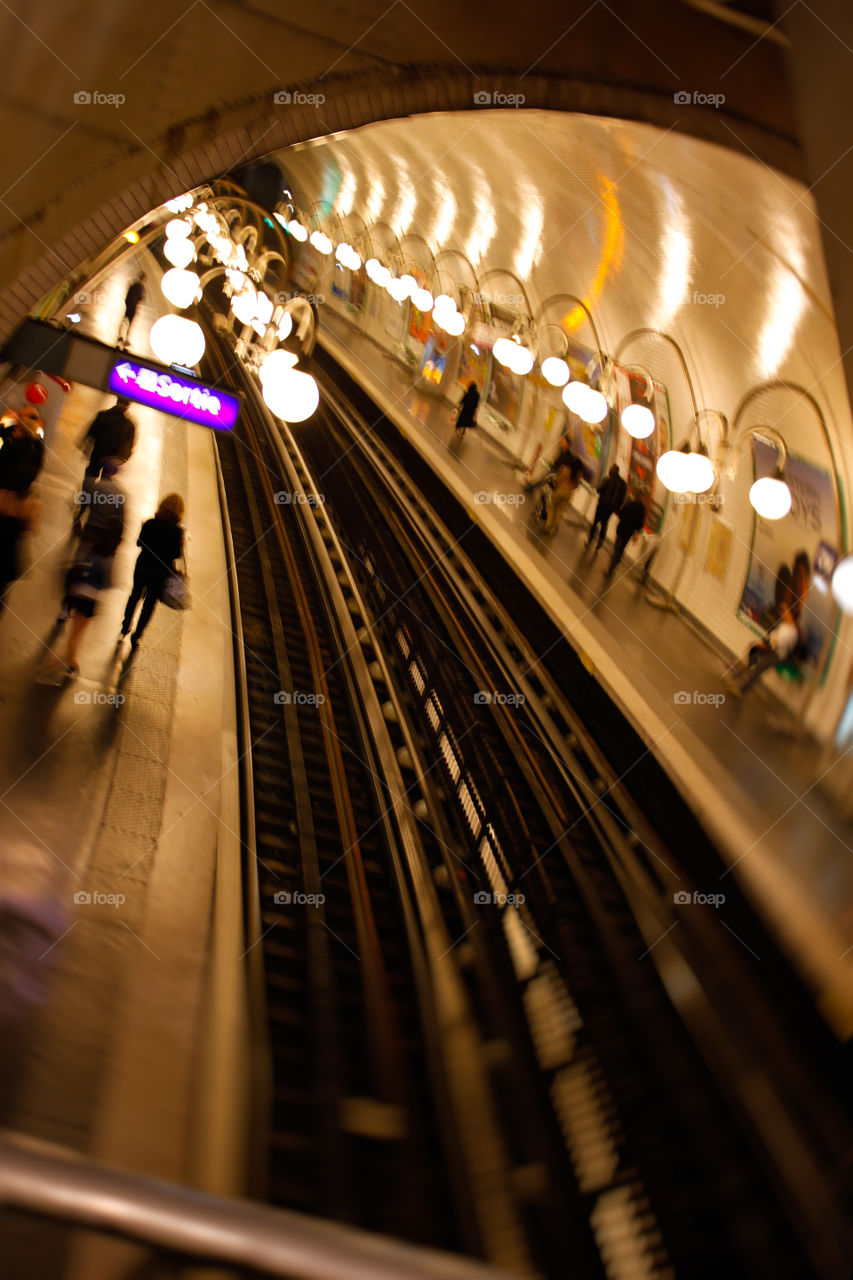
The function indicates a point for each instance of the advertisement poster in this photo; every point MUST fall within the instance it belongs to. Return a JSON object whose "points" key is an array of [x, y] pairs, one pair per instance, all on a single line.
{"points": [[637, 458], [420, 322], [504, 392], [719, 550], [473, 366], [785, 552], [433, 361]]}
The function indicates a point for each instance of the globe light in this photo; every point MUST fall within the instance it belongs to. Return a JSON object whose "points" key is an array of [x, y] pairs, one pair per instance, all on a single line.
{"points": [[701, 473], [341, 252], [455, 325], [422, 298], [281, 220], [372, 267], [297, 230], [842, 584], [398, 290], [638, 420], [410, 282], [521, 360], [276, 364], [180, 203], [181, 288], [674, 470], [176, 340], [285, 326], [771, 497], [178, 228], [573, 396], [263, 308], [259, 327], [291, 395], [555, 371], [179, 252], [594, 406], [503, 351], [321, 242], [245, 304]]}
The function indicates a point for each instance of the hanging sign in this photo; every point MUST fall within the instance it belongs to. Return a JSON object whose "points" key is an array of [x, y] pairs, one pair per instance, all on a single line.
{"points": [[172, 393]]}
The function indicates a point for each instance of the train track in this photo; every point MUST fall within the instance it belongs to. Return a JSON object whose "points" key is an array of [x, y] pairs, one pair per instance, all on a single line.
{"points": [[467, 1048]]}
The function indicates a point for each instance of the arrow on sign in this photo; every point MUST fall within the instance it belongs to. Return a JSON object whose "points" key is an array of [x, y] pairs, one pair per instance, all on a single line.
{"points": [[126, 371]]}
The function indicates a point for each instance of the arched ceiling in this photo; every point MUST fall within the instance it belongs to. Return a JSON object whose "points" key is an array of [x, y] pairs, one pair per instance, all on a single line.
{"points": [[650, 228], [191, 87]]}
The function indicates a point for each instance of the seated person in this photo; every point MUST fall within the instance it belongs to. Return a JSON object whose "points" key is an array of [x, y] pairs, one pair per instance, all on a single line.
{"points": [[781, 643]]}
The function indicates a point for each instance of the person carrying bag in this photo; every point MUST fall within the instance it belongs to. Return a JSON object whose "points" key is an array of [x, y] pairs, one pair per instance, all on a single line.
{"points": [[162, 543]]}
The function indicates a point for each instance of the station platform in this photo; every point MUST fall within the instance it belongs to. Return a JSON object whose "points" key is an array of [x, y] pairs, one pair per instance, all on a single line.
{"points": [[119, 825], [768, 797]]}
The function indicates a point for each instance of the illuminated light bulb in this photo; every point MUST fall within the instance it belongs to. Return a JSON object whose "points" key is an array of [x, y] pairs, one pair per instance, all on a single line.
{"points": [[410, 282], [259, 327], [594, 406], [702, 475], [180, 203], [503, 351], [180, 287], [281, 220], [673, 469], [371, 267], [245, 304], [132, 237], [276, 364], [638, 420], [573, 396], [842, 584], [383, 277], [176, 340], [398, 291], [455, 324], [354, 261], [263, 308], [422, 298], [177, 228], [321, 242], [555, 371], [771, 497], [291, 395], [297, 230], [521, 361], [285, 327], [179, 252]]}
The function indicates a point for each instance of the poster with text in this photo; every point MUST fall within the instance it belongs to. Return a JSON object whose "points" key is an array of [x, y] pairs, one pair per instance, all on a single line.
{"points": [[784, 552], [637, 459]]}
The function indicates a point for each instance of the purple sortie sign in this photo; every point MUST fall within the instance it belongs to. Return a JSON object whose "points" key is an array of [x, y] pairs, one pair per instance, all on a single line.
{"points": [[170, 393]]}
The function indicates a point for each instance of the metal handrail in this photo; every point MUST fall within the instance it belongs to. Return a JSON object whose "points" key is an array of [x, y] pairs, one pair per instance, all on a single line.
{"points": [[55, 1183]]}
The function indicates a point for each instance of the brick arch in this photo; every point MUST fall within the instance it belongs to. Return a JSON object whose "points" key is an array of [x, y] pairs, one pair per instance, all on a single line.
{"points": [[221, 139]]}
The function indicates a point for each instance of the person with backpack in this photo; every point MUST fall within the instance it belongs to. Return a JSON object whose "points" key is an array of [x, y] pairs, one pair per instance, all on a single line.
{"points": [[162, 541]]}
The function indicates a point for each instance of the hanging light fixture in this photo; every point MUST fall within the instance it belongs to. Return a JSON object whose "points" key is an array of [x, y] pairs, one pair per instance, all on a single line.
{"points": [[263, 307], [771, 497], [398, 290], [521, 359], [422, 298], [181, 288], [176, 340], [275, 364], [321, 242], [637, 417], [179, 252], [285, 326], [245, 304], [292, 396], [701, 473], [503, 351], [673, 469], [842, 584], [556, 371], [589, 404], [178, 228], [455, 324], [297, 230]]}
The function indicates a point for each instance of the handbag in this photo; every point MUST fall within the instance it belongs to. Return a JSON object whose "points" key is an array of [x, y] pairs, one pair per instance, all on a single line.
{"points": [[176, 589]]}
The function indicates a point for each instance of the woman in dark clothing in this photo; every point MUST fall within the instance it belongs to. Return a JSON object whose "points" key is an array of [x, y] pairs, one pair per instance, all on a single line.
{"points": [[21, 458], [162, 543], [466, 413]]}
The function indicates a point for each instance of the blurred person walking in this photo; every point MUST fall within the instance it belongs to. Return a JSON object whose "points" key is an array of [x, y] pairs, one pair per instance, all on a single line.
{"points": [[162, 541], [632, 517], [568, 478], [132, 299], [113, 435], [780, 644], [611, 495], [21, 460], [466, 410]]}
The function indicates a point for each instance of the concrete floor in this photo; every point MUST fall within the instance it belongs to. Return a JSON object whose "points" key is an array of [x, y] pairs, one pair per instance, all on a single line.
{"points": [[773, 804]]}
